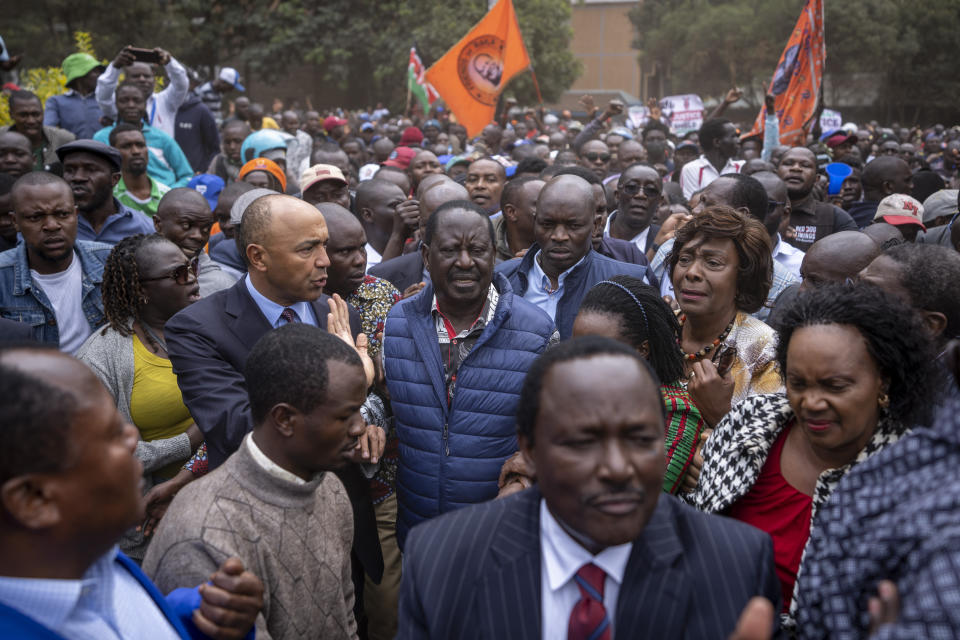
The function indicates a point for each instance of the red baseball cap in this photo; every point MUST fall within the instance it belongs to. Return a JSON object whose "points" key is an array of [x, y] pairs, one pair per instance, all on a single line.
{"points": [[332, 122], [401, 157]]}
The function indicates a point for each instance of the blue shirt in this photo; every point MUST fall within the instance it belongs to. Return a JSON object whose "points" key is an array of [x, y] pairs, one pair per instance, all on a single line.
{"points": [[125, 223], [107, 602], [538, 290], [271, 310], [167, 163], [80, 115]]}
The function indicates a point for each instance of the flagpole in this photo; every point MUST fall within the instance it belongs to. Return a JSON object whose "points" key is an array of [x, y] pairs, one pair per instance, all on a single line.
{"points": [[536, 85]]}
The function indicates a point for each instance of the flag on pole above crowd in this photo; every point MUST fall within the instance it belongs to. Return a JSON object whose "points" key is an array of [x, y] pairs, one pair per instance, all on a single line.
{"points": [[797, 81], [472, 74], [417, 84]]}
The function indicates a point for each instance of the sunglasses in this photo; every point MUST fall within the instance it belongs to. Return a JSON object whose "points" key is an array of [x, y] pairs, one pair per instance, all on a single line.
{"points": [[633, 188], [181, 275], [773, 204], [593, 156]]}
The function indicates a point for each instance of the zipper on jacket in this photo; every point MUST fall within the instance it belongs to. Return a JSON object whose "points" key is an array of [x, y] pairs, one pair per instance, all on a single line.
{"points": [[446, 439]]}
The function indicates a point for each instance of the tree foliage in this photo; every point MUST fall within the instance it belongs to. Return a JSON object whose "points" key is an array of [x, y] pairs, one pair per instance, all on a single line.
{"points": [[359, 49], [706, 46]]}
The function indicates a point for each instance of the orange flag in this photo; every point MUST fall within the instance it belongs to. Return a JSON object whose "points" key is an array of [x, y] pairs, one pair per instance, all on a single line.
{"points": [[470, 76], [796, 82]]}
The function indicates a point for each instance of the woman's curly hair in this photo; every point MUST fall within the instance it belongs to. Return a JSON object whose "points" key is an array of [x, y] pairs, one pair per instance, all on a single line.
{"points": [[752, 242], [895, 336], [120, 290]]}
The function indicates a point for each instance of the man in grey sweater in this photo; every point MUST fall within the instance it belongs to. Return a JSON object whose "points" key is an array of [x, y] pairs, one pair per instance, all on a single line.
{"points": [[272, 503]]}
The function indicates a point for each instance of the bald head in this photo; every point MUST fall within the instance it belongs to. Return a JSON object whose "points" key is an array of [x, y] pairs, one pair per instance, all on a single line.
{"points": [[339, 220], [567, 189], [438, 194], [431, 180], [884, 176], [837, 257], [772, 184], [179, 197], [884, 234]]}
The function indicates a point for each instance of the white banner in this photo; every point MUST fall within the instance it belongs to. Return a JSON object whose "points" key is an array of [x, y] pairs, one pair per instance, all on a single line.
{"points": [[684, 113], [830, 120]]}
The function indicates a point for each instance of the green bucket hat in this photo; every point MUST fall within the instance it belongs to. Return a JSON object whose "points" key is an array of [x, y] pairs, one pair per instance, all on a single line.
{"points": [[77, 65]]}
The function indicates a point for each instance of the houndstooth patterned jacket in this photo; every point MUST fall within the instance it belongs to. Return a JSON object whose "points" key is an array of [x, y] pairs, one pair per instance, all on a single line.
{"points": [[737, 449]]}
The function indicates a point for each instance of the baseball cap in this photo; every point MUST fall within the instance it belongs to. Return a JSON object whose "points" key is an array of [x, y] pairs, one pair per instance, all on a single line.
{"points": [[688, 144], [332, 122], [900, 209], [319, 173], [209, 186], [837, 137], [264, 164], [231, 76], [106, 152], [940, 203], [431, 123], [411, 135], [367, 126], [77, 65], [401, 157]]}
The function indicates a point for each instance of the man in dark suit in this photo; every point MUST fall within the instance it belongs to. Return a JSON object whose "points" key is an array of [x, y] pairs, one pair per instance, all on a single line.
{"points": [[283, 242], [595, 549], [639, 192]]}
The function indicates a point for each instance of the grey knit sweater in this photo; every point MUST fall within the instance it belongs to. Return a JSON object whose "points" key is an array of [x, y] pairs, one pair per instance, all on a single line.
{"points": [[295, 537]]}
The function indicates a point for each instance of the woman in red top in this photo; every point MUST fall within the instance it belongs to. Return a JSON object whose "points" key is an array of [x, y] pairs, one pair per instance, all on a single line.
{"points": [[858, 369]]}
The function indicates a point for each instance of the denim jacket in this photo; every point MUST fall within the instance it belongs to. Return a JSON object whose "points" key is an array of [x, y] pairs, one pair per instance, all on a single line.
{"points": [[20, 300]]}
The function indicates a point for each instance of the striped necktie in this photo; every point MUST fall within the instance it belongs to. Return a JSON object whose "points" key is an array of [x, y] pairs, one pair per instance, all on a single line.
{"points": [[289, 315], [588, 619]]}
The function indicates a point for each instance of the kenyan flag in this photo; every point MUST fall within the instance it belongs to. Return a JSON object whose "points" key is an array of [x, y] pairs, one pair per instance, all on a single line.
{"points": [[422, 90]]}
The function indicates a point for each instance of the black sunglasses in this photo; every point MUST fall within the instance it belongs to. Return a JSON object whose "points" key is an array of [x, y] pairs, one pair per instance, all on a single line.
{"points": [[633, 188], [593, 156], [773, 204], [181, 274]]}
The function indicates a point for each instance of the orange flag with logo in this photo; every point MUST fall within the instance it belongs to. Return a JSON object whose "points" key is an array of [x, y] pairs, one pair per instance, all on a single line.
{"points": [[470, 76], [797, 81]]}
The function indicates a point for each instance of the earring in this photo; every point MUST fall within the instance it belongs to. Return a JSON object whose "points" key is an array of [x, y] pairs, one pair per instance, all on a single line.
{"points": [[883, 401]]}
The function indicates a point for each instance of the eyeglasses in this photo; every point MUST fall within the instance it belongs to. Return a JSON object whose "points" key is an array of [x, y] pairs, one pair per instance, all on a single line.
{"points": [[773, 204], [633, 188], [181, 274], [593, 156]]}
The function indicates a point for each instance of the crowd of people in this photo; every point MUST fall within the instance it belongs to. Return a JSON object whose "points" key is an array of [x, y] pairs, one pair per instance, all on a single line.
{"points": [[355, 374]]}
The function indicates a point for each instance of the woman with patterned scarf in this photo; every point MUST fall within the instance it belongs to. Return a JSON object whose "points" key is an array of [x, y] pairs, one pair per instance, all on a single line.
{"points": [[858, 369]]}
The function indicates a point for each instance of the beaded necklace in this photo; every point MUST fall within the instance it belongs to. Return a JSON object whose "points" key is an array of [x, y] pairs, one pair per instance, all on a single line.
{"points": [[707, 349]]}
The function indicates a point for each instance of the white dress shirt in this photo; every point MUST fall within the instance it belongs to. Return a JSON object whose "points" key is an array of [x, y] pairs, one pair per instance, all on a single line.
{"points": [[698, 173], [788, 255], [373, 257], [560, 558], [640, 239]]}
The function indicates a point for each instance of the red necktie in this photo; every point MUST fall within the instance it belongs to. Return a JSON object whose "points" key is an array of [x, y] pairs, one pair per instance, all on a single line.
{"points": [[588, 620], [289, 315]]}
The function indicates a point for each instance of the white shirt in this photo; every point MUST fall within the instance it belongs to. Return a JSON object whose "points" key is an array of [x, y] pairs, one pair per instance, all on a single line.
{"points": [[107, 603], [699, 173], [640, 239], [788, 255], [373, 257], [162, 107], [65, 292], [560, 558], [538, 287], [269, 465]]}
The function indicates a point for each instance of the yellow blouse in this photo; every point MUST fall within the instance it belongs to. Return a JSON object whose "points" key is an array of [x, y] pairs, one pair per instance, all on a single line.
{"points": [[156, 404]]}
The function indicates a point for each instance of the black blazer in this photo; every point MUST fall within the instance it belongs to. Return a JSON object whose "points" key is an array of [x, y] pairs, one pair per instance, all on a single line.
{"points": [[208, 343], [401, 271], [475, 573]]}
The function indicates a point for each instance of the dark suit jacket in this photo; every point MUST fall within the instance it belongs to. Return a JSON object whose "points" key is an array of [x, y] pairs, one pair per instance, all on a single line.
{"points": [[12, 332], [401, 271], [208, 344], [475, 573]]}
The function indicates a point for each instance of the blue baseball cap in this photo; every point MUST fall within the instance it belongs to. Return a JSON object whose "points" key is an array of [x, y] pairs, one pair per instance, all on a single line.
{"points": [[209, 187]]}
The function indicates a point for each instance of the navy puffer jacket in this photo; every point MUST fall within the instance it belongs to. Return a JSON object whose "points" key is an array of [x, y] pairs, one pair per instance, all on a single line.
{"points": [[450, 457]]}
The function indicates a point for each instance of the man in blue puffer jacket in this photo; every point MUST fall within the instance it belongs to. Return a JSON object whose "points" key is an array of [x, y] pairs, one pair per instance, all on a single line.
{"points": [[455, 357], [561, 266]]}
